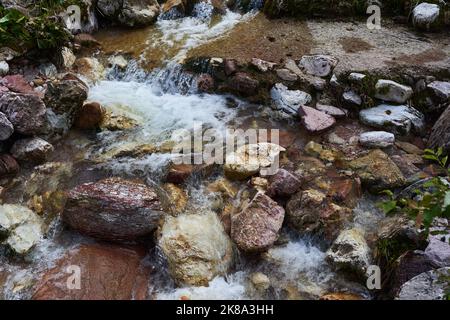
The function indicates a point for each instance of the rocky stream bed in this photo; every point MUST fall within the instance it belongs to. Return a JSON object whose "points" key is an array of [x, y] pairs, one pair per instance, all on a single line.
{"points": [[88, 178]]}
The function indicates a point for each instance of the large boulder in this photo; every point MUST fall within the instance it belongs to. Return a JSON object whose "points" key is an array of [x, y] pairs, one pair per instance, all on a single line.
{"points": [[196, 247], [396, 119], [310, 212], [107, 273], [288, 100], [440, 135], [26, 112], [256, 227], [20, 227], [377, 171], [113, 209], [392, 91], [129, 12], [430, 285], [350, 252], [35, 150]]}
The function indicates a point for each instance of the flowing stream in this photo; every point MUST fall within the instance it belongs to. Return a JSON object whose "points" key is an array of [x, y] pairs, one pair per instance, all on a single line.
{"points": [[162, 101]]}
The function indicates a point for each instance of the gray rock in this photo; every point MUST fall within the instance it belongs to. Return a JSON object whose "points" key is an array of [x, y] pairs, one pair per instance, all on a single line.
{"points": [[377, 139], [331, 110], [289, 100], [356, 77], [4, 68], [48, 70], [196, 247], [262, 65], [438, 252], [35, 150], [286, 75], [350, 252], [441, 90], [396, 119], [431, 285], [6, 127], [352, 98], [318, 65], [21, 226], [425, 15], [440, 134], [139, 12], [391, 91]]}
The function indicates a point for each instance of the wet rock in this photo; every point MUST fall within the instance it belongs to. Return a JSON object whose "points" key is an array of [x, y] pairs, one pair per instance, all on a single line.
{"points": [[262, 65], [350, 252], [109, 9], [438, 252], [376, 139], [332, 111], [431, 285], [4, 68], [8, 165], [244, 84], [118, 62], [26, 112], [48, 178], [288, 100], [48, 70], [248, 160], [314, 120], [286, 75], [138, 12], [66, 58], [6, 127], [90, 68], [256, 227], [409, 148], [21, 226], [17, 83], [310, 212], [377, 171], [196, 248], [283, 184], [396, 119], [318, 65], [440, 134], [113, 209], [177, 197], [89, 116], [341, 296], [441, 90], [205, 83], [346, 191], [179, 173], [352, 98], [317, 150], [107, 273], [86, 40], [260, 281], [391, 91], [230, 67], [35, 150], [115, 122], [425, 15]]}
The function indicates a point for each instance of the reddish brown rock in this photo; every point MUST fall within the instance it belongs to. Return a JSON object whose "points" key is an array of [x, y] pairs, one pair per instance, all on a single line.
{"points": [[86, 40], [205, 83], [26, 112], [283, 184], [179, 173], [315, 120], [341, 296], [89, 116], [17, 83], [243, 84], [113, 209], [256, 227], [230, 67], [34, 150], [8, 165], [346, 191], [107, 273]]}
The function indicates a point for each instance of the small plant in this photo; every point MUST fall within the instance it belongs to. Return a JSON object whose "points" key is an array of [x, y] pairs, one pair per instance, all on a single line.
{"points": [[432, 201]]}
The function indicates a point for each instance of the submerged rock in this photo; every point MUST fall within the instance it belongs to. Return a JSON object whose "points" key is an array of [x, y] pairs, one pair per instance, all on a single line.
{"points": [[377, 171], [350, 252], [107, 273], [377, 139], [289, 100], [391, 91], [431, 285], [113, 209], [315, 120], [318, 65], [21, 227], [35, 150], [26, 112], [440, 134], [396, 119], [256, 227], [196, 248]]}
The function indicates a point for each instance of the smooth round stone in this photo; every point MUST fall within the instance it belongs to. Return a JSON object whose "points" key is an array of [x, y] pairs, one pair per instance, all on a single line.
{"points": [[377, 139]]}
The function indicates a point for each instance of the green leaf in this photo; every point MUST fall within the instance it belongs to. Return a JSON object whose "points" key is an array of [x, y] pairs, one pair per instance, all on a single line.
{"points": [[388, 206]]}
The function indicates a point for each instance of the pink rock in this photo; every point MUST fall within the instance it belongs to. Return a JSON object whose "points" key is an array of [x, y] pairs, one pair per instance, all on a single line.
{"points": [[315, 120], [17, 83]]}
